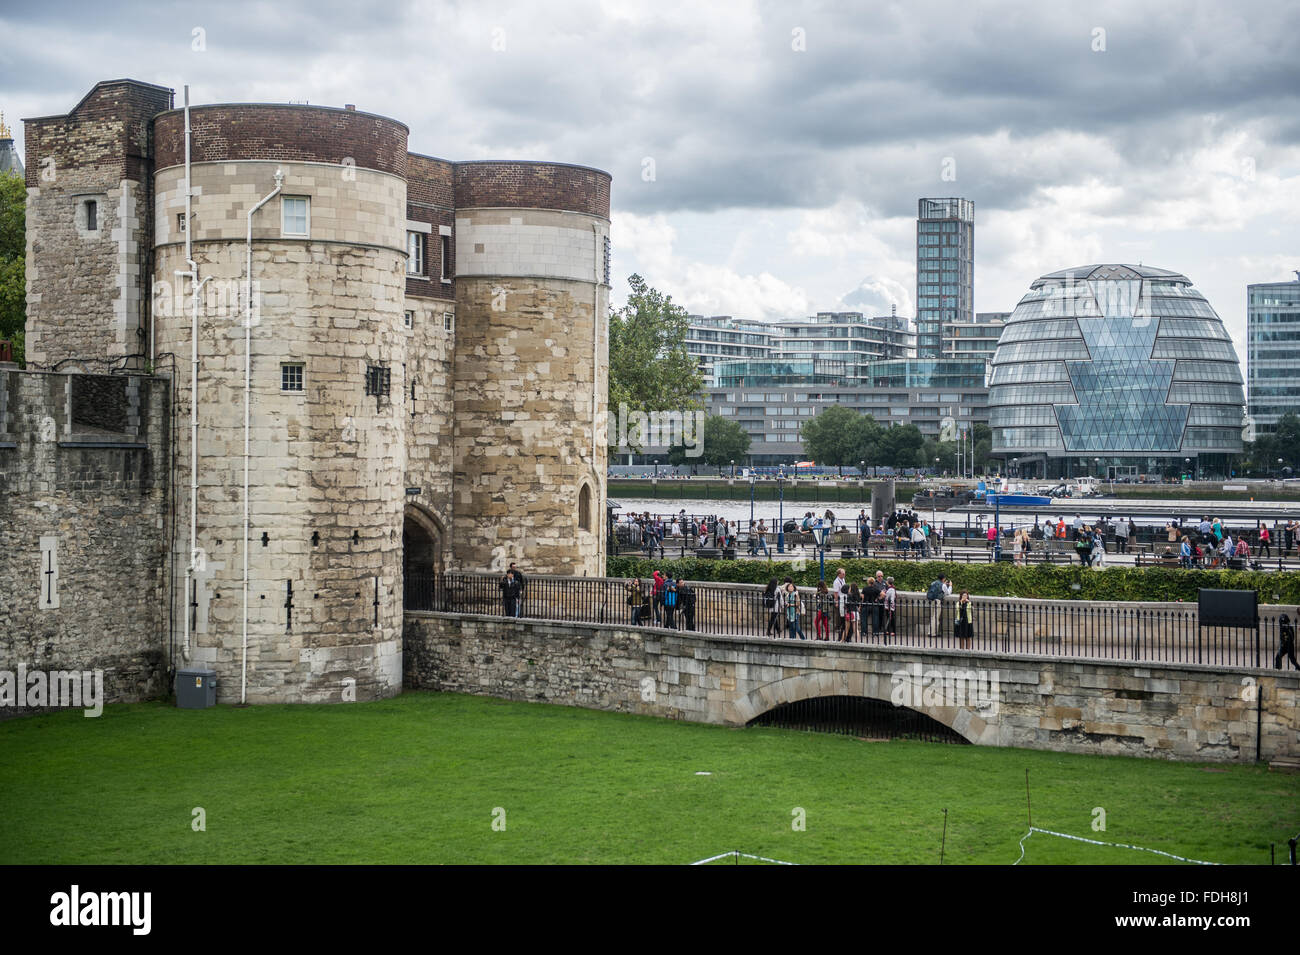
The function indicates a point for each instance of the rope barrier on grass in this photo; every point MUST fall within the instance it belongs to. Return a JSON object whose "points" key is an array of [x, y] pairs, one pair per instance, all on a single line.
{"points": [[741, 855], [1096, 842]]}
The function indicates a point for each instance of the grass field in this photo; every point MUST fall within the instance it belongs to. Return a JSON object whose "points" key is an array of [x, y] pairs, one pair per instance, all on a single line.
{"points": [[416, 779]]}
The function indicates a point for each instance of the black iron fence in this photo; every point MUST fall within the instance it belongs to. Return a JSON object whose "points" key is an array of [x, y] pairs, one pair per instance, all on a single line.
{"points": [[1154, 632]]}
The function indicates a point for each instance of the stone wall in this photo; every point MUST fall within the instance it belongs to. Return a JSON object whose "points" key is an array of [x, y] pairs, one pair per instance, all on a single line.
{"points": [[1179, 712], [92, 510]]}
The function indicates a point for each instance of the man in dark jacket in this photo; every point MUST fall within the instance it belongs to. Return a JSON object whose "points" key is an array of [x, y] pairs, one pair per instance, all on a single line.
{"points": [[509, 585], [686, 604], [523, 586]]}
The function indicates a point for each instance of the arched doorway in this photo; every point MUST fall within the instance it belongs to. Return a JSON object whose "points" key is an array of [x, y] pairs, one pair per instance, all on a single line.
{"points": [[421, 558]]}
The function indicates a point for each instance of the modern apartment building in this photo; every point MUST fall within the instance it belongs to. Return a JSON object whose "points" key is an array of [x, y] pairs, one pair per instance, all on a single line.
{"points": [[723, 338], [771, 400], [974, 339], [945, 270], [1273, 351]]}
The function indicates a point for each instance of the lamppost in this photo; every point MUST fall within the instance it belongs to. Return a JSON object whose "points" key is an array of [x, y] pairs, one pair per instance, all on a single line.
{"points": [[1279, 467], [780, 520], [733, 469], [751, 501], [1097, 461], [1015, 467], [1187, 462]]}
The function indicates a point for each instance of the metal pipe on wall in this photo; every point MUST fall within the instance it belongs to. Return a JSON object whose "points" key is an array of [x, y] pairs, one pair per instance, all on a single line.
{"points": [[248, 390]]}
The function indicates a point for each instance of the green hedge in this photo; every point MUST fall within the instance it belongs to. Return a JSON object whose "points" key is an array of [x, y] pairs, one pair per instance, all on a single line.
{"points": [[1053, 582]]}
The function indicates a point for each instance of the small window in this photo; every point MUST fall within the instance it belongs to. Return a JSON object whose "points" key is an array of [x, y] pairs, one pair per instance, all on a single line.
{"points": [[291, 376], [415, 253], [448, 321], [584, 508], [606, 247], [180, 222], [445, 244], [408, 318], [296, 215], [378, 380], [92, 215]]}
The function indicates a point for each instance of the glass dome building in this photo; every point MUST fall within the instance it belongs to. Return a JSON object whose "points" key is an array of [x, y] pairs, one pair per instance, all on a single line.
{"points": [[1115, 371]]}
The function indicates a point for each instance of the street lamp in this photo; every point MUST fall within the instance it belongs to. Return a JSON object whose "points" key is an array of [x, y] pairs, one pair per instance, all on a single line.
{"points": [[733, 469], [1015, 467], [751, 501]]}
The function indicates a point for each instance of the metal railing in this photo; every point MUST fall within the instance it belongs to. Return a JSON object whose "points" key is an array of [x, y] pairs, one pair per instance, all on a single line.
{"points": [[965, 544], [1151, 632]]}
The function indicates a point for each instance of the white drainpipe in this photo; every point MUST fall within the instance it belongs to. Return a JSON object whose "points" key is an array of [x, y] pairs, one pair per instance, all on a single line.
{"points": [[248, 364]]}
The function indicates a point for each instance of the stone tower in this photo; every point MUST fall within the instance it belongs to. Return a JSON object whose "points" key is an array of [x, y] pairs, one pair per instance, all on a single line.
{"points": [[88, 226], [328, 439], [532, 289]]}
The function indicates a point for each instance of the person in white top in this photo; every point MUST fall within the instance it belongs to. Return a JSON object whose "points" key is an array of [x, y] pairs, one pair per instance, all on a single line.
{"points": [[837, 588]]}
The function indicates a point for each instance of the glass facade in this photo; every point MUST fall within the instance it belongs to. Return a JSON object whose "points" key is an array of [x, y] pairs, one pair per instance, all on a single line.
{"points": [[1273, 351], [1112, 364], [945, 271]]}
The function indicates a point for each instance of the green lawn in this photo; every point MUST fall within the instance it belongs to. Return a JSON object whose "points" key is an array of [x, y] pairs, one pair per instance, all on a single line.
{"points": [[416, 779]]}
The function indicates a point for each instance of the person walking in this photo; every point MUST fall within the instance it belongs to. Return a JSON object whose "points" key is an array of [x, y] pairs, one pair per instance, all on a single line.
{"points": [[657, 597], [670, 603], [940, 588], [1098, 551], [837, 590], [869, 611], [1185, 553], [1122, 528], [963, 627], [1018, 547], [509, 585], [890, 600], [686, 604], [636, 599], [1289, 535], [918, 541], [1264, 538], [771, 604], [822, 614], [864, 531], [1286, 642], [793, 606], [762, 538], [852, 607], [523, 587]]}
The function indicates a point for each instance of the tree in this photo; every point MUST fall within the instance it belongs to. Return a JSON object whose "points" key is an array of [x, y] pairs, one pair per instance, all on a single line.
{"points": [[649, 367], [945, 451], [13, 254], [724, 441], [833, 438], [901, 446]]}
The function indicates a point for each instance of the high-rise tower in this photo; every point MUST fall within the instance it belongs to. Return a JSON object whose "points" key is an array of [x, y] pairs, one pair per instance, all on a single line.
{"points": [[945, 270]]}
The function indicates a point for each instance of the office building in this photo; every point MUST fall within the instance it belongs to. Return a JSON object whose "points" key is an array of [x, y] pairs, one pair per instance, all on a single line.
{"points": [[1273, 351], [1115, 371]]}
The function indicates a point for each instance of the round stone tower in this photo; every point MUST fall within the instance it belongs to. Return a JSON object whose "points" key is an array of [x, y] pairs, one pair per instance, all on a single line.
{"points": [[530, 376], [326, 422]]}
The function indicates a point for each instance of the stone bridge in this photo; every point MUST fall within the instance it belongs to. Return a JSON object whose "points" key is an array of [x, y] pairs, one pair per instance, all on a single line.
{"points": [[1180, 711]]}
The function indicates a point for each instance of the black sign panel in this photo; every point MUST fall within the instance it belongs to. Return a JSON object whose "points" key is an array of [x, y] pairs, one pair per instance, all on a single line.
{"points": [[1228, 608]]}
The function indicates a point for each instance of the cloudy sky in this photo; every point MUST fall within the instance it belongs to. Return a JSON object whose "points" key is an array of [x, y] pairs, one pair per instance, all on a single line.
{"points": [[767, 157]]}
